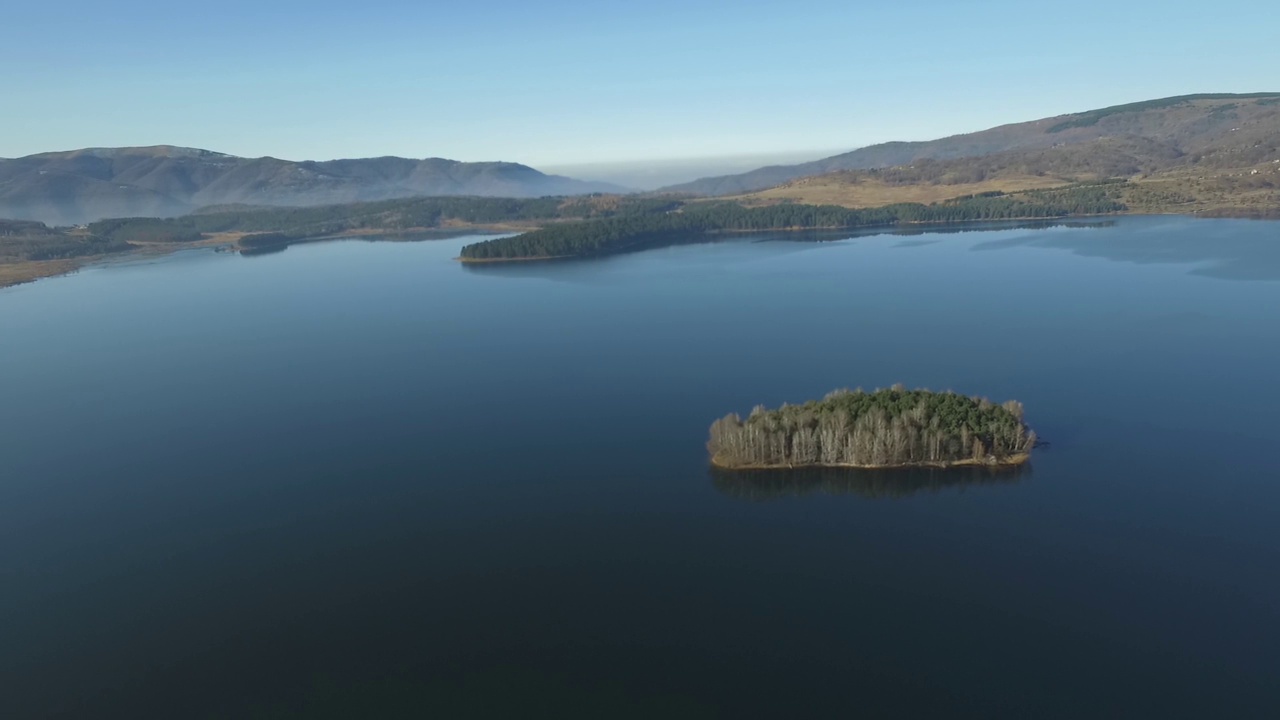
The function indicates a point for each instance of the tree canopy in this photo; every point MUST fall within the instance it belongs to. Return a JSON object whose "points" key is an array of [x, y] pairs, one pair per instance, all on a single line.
{"points": [[883, 428]]}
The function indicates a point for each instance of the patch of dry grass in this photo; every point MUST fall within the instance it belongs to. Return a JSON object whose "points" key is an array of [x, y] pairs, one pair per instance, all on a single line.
{"points": [[855, 191], [25, 272], [1186, 192]]}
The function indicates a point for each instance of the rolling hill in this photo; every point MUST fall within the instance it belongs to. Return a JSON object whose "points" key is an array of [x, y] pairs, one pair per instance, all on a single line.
{"points": [[1213, 132], [66, 188]]}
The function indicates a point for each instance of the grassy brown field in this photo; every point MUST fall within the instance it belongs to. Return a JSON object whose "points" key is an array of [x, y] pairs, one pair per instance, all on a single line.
{"points": [[25, 272], [1248, 191], [1240, 193], [858, 190], [18, 273]]}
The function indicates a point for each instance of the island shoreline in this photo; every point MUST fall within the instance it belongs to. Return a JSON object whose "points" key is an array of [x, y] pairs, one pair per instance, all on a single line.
{"points": [[1010, 461]]}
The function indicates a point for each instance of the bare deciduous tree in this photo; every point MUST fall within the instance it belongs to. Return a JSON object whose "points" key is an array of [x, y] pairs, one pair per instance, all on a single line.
{"points": [[882, 428]]}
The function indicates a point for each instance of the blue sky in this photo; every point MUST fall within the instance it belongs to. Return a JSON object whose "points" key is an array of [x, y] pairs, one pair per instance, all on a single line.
{"points": [[551, 83]]}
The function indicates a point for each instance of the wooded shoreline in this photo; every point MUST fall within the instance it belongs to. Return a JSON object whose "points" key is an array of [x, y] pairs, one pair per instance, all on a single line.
{"points": [[796, 229]]}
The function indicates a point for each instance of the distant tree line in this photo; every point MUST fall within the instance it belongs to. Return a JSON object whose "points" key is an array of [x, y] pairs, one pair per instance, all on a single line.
{"points": [[432, 212], [1093, 117], [879, 429], [640, 230]]}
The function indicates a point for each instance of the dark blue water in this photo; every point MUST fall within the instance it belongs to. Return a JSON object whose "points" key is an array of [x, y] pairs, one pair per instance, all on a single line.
{"points": [[358, 480]]}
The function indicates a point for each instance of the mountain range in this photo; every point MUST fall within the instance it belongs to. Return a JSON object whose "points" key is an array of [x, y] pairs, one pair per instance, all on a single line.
{"points": [[1209, 139], [1208, 131], [80, 186]]}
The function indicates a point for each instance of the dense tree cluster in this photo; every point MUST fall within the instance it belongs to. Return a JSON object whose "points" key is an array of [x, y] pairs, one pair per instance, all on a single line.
{"points": [[1098, 198], [640, 230], [22, 241], [884, 428], [148, 230]]}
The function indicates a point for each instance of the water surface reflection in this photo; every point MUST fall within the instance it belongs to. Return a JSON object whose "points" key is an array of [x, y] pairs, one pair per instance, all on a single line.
{"points": [[763, 485], [1221, 249]]}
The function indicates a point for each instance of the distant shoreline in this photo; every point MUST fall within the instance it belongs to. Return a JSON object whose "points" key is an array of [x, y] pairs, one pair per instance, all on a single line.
{"points": [[29, 271], [1218, 214], [20, 273], [534, 258], [796, 229]]}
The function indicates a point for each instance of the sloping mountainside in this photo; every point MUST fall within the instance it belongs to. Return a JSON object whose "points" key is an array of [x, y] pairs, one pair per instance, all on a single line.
{"points": [[1214, 132], [81, 186]]}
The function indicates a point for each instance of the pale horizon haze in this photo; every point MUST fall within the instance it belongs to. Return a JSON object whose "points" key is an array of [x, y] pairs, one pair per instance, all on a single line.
{"points": [[564, 85]]}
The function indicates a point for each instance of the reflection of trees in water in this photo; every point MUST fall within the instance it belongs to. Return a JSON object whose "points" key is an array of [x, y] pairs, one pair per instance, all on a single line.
{"points": [[989, 226], [762, 485], [551, 267], [266, 250], [921, 230], [1223, 249], [281, 242]]}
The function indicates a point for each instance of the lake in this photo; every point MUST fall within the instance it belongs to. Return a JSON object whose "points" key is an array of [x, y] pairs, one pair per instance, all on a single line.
{"points": [[359, 480]]}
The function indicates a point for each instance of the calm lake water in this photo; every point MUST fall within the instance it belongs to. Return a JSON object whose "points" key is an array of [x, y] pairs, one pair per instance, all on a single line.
{"points": [[358, 480]]}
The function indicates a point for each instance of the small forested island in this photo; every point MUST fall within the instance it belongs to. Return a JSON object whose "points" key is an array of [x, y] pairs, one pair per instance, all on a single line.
{"points": [[886, 428]]}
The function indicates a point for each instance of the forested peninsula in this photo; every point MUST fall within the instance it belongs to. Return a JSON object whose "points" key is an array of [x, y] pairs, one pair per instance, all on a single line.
{"points": [[687, 221], [886, 428]]}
